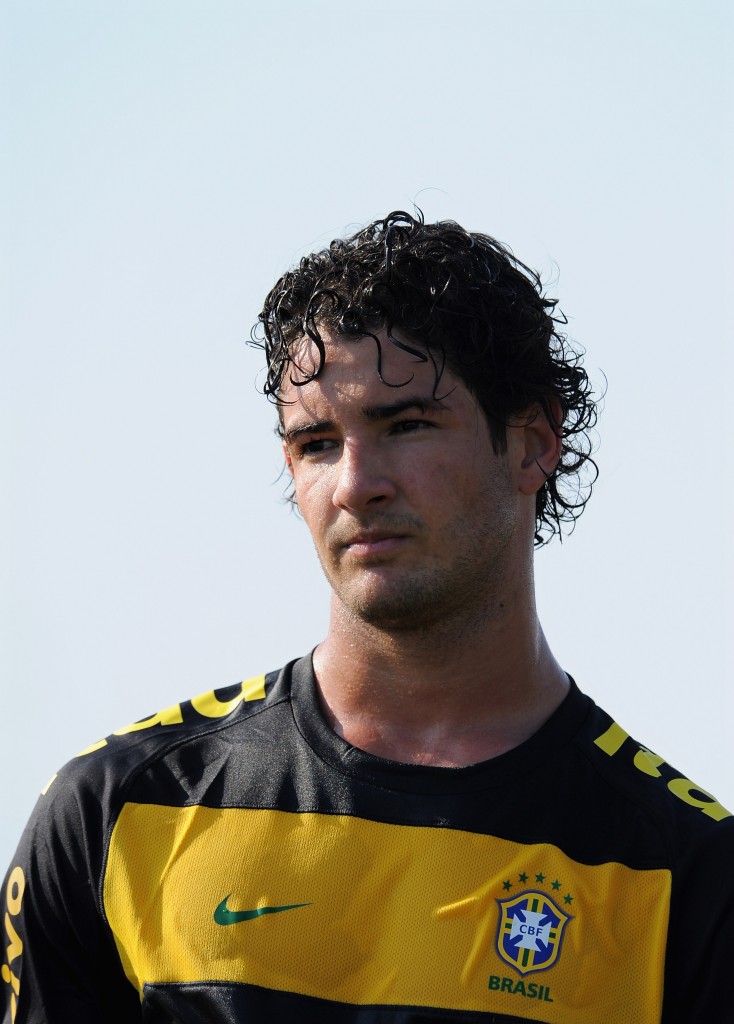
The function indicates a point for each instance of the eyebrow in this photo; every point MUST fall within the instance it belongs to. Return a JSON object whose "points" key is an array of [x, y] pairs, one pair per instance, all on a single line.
{"points": [[375, 413], [372, 413]]}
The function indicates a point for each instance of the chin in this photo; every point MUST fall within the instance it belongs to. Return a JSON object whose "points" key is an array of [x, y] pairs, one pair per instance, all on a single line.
{"points": [[397, 609]]}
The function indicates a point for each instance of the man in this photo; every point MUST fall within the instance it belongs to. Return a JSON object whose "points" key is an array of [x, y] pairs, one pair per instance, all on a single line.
{"points": [[426, 820]]}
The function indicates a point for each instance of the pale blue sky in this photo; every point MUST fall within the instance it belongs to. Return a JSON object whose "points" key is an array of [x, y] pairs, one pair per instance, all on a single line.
{"points": [[166, 161]]}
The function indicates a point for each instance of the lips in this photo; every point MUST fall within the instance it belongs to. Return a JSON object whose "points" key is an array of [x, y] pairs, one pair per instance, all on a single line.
{"points": [[377, 539], [371, 543], [373, 537]]}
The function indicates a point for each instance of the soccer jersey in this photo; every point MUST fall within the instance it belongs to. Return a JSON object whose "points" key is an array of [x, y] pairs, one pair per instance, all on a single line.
{"points": [[231, 859]]}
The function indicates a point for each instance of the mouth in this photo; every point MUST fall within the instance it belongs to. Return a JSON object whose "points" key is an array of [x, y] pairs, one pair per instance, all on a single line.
{"points": [[374, 543]]}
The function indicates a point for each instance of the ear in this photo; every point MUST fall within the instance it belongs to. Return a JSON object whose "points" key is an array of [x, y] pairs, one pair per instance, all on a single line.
{"points": [[542, 441]]}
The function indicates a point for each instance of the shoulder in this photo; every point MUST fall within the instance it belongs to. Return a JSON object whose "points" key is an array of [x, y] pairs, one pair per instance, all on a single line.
{"points": [[85, 795], [683, 828], [684, 812], [51, 900]]}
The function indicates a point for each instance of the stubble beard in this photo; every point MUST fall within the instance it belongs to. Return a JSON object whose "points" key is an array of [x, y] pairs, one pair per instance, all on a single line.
{"points": [[452, 599]]}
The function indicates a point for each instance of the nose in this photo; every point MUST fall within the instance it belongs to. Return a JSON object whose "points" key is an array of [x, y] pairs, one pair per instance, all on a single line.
{"points": [[363, 479]]}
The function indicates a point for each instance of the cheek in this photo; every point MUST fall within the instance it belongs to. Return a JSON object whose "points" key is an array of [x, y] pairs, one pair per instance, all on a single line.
{"points": [[313, 496], [468, 488], [444, 479]]}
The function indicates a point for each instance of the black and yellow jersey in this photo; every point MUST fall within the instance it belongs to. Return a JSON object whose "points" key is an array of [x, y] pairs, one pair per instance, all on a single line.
{"points": [[230, 859]]}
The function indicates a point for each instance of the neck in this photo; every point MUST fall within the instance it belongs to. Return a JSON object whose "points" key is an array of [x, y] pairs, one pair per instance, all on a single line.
{"points": [[448, 693]]}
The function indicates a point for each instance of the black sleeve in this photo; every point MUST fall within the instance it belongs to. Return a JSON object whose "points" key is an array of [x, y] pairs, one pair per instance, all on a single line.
{"points": [[697, 984], [60, 963]]}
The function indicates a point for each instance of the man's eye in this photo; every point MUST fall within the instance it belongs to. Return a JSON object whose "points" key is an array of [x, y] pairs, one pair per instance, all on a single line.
{"points": [[316, 447], [409, 426]]}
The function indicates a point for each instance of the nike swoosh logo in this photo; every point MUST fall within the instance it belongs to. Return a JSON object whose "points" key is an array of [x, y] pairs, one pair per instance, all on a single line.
{"points": [[224, 916]]}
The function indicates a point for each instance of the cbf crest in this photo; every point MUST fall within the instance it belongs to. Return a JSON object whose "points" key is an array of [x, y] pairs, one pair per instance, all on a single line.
{"points": [[530, 931]]}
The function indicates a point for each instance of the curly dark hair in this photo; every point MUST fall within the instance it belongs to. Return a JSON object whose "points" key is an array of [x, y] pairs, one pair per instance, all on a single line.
{"points": [[463, 301]]}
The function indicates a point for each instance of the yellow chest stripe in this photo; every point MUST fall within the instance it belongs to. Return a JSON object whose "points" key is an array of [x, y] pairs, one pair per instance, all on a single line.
{"points": [[366, 912]]}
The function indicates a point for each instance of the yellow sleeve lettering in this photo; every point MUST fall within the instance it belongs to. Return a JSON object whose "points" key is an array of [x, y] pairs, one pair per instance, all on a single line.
{"points": [[647, 762], [169, 716], [692, 794], [207, 704], [14, 898], [91, 749], [15, 946], [15, 889], [11, 980], [611, 740]]}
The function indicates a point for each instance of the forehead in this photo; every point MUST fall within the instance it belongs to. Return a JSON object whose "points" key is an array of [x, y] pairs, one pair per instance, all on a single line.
{"points": [[356, 372]]}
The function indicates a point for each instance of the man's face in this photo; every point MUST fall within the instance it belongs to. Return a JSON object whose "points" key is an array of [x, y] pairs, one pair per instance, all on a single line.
{"points": [[413, 515]]}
